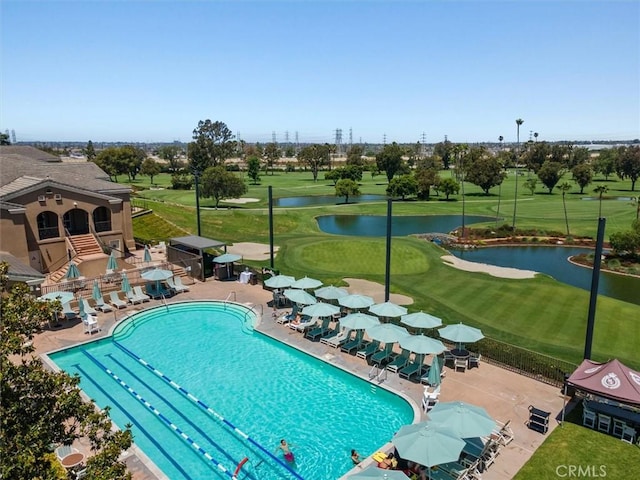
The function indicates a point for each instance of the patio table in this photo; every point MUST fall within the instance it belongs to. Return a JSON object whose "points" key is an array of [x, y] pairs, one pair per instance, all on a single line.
{"points": [[72, 460], [460, 354]]}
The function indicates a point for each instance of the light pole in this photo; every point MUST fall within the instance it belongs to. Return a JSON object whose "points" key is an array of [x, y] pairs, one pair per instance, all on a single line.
{"points": [[500, 139], [519, 122], [196, 176]]}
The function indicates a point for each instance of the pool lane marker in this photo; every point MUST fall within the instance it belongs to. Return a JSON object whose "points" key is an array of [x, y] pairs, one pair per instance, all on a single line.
{"points": [[207, 408], [155, 411]]}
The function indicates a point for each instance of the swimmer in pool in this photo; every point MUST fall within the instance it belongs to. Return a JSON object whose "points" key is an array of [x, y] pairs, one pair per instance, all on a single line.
{"points": [[286, 449]]}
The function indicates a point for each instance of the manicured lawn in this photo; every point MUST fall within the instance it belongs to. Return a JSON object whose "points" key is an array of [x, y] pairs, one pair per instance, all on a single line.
{"points": [[540, 314]]}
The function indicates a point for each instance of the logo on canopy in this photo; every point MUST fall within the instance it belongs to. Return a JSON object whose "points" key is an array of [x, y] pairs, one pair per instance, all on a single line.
{"points": [[592, 370], [635, 378], [610, 381]]}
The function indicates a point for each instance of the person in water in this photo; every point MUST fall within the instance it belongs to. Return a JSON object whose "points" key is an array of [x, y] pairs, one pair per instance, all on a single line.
{"points": [[355, 457], [286, 449]]}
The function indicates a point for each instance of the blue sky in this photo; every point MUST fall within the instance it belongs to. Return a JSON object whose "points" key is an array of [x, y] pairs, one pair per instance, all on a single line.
{"points": [[150, 70]]}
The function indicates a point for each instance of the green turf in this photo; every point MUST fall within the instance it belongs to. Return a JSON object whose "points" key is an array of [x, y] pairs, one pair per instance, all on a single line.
{"points": [[540, 314]]}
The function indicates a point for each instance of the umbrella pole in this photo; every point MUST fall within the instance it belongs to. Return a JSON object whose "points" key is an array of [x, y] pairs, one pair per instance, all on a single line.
{"points": [[564, 402]]}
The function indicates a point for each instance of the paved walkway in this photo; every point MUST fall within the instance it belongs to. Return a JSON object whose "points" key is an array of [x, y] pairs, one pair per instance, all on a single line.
{"points": [[504, 394]]}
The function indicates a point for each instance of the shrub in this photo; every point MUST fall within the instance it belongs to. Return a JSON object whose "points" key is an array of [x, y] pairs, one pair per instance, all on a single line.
{"points": [[181, 181]]}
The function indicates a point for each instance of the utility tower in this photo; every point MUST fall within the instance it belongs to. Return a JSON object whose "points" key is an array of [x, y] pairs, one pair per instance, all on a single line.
{"points": [[338, 140], [273, 137], [13, 136], [384, 139], [423, 145], [297, 143], [286, 137], [350, 137]]}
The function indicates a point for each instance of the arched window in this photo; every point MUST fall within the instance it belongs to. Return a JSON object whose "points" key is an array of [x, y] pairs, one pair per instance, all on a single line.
{"points": [[48, 225], [102, 219], [76, 221]]}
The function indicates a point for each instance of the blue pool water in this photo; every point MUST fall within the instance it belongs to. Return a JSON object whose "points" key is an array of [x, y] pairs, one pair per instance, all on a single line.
{"points": [[260, 386]]}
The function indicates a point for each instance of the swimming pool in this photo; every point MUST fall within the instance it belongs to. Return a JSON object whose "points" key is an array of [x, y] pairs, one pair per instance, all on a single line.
{"points": [[220, 368]]}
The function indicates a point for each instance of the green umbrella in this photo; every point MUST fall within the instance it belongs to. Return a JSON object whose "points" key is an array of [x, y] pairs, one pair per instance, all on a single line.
{"points": [[96, 293], [420, 320], [434, 372], [461, 333], [320, 309], [81, 312], [126, 287], [387, 309], [331, 293], [306, 283], [387, 333], [64, 297], [147, 254], [359, 321], [422, 344], [72, 272], [299, 296], [464, 419], [356, 301], [112, 263], [428, 443], [279, 281]]}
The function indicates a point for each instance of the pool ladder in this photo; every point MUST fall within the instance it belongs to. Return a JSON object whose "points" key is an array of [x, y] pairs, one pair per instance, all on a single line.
{"points": [[378, 373], [164, 300]]}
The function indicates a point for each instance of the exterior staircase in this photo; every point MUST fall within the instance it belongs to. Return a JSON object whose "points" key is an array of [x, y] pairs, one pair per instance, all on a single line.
{"points": [[85, 245]]}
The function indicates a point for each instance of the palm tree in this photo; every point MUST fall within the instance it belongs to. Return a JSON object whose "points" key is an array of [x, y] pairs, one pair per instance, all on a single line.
{"points": [[601, 190], [564, 188], [535, 135], [500, 139], [519, 122]]}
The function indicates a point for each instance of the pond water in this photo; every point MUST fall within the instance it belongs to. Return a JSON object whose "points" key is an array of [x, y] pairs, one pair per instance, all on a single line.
{"points": [[323, 200], [553, 262], [376, 225]]}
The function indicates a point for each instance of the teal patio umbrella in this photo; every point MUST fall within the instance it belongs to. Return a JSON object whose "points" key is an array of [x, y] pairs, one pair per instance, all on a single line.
{"points": [[126, 286], [321, 309], [147, 254], [112, 263], [374, 473], [356, 301], [81, 312], [72, 271], [299, 296], [359, 321], [422, 345], [306, 283], [387, 333], [428, 443], [156, 275], [64, 297], [96, 293], [461, 334], [462, 418], [433, 377], [279, 281], [228, 259], [420, 320], [331, 293]]}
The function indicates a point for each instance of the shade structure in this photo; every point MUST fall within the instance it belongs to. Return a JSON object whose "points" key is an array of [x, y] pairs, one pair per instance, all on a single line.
{"points": [[421, 320], [462, 418], [147, 254], [306, 283], [461, 333], [321, 309], [299, 296], [356, 301], [387, 333], [428, 443], [156, 275], [64, 297], [387, 309], [279, 281], [435, 370], [374, 473], [331, 293], [112, 263], [96, 293], [422, 344], [227, 258], [359, 321], [126, 286], [72, 271]]}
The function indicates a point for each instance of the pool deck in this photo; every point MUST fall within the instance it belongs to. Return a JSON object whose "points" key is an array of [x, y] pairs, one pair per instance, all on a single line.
{"points": [[505, 395]]}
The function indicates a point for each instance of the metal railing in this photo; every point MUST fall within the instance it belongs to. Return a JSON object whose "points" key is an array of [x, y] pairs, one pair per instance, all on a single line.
{"points": [[45, 233]]}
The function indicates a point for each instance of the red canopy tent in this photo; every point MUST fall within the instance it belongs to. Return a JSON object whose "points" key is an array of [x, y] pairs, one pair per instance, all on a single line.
{"points": [[611, 379]]}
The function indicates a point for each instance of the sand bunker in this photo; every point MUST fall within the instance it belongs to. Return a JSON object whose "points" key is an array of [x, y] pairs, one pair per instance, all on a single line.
{"points": [[375, 291], [251, 251], [502, 272], [241, 201]]}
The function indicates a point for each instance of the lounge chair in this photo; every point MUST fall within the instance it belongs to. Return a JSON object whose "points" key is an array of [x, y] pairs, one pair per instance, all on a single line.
{"points": [[337, 340], [88, 309], [304, 325], [155, 293], [116, 301], [383, 355], [314, 333], [369, 349], [172, 284], [355, 343], [181, 286], [69, 313], [400, 361], [288, 317], [90, 324], [103, 307], [132, 297], [414, 368], [140, 294]]}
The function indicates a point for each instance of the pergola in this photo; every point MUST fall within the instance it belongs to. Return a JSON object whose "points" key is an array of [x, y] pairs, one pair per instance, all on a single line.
{"points": [[191, 252]]}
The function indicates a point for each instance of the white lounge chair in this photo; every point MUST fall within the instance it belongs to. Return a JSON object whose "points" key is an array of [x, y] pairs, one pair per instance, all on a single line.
{"points": [[180, 285], [88, 309], [140, 294], [103, 307], [116, 301], [304, 326], [132, 298], [338, 339], [172, 284], [90, 324]]}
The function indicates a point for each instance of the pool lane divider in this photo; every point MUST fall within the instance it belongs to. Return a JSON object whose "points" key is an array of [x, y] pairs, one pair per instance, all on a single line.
{"points": [[171, 425], [201, 404], [133, 420]]}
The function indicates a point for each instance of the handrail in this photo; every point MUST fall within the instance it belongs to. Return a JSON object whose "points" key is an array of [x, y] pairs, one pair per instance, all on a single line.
{"points": [[171, 425], [164, 300], [229, 296], [208, 409]]}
